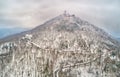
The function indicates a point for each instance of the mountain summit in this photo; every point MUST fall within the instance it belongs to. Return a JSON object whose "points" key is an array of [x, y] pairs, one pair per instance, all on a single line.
{"points": [[65, 46]]}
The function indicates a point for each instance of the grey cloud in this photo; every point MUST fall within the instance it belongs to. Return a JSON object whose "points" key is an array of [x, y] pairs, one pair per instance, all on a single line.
{"points": [[30, 13]]}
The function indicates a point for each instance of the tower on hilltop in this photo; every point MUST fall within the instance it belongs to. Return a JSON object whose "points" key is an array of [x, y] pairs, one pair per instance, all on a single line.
{"points": [[67, 14]]}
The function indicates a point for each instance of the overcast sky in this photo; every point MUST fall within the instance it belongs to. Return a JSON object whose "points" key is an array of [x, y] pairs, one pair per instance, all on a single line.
{"points": [[30, 13]]}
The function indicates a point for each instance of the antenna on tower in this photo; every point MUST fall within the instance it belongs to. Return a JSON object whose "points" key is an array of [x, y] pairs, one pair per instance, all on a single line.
{"points": [[65, 13]]}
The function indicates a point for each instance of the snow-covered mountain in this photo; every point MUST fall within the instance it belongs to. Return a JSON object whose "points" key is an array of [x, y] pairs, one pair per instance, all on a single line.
{"points": [[65, 46]]}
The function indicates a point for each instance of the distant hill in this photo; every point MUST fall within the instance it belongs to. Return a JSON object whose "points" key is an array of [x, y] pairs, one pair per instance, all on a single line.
{"points": [[9, 31], [118, 39]]}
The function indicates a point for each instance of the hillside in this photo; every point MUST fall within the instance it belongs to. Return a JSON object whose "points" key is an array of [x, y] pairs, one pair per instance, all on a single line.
{"points": [[65, 46]]}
